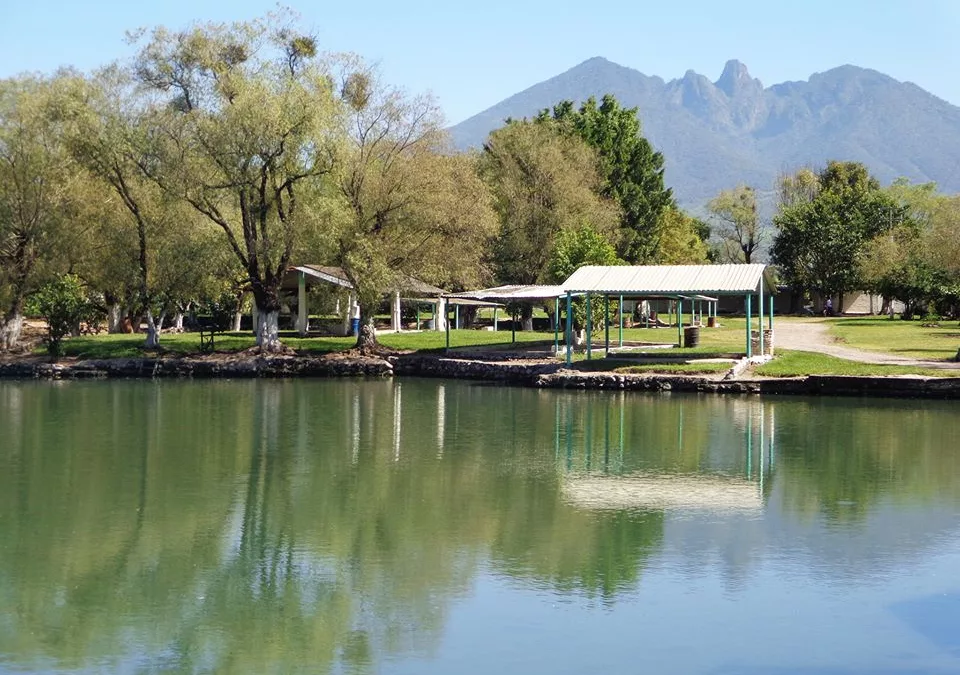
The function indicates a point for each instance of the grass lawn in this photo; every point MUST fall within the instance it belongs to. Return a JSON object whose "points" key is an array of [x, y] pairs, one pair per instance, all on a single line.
{"points": [[903, 338], [123, 345], [622, 366], [794, 364]]}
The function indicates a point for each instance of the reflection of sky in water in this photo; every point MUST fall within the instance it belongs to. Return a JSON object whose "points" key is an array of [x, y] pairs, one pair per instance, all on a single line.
{"points": [[684, 621], [572, 532]]}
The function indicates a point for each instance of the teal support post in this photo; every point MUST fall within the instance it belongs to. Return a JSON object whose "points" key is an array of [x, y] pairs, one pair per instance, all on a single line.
{"points": [[606, 325], [456, 316], [770, 314], [620, 317], [749, 322], [679, 323], [569, 331], [513, 328], [418, 316], [446, 322], [556, 325], [495, 319], [760, 318], [589, 330]]}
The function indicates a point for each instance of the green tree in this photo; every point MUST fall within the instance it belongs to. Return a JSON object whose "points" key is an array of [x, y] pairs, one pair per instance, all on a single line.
{"points": [[740, 229], [631, 171], [62, 301], [107, 135], [543, 183], [574, 249], [683, 239], [409, 207], [247, 124], [36, 180], [915, 260], [820, 240]]}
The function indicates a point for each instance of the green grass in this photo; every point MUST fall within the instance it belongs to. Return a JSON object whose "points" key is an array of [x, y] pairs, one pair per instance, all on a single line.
{"points": [[123, 345], [903, 338], [622, 366], [796, 364]]}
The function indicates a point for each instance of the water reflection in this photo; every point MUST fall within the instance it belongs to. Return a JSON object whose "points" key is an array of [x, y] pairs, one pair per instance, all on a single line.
{"points": [[705, 473], [315, 526]]}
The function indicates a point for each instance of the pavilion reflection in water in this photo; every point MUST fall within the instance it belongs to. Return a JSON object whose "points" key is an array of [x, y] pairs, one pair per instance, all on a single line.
{"points": [[593, 457]]}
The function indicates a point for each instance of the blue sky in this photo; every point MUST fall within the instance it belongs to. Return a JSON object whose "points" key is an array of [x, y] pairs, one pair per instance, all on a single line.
{"points": [[472, 55]]}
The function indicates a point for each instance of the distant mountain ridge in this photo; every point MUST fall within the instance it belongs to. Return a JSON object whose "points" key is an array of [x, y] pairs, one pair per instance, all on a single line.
{"points": [[715, 135]]}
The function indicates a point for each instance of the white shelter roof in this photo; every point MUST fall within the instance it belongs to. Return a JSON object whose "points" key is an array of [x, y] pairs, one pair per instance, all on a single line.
{"points": [[514, 292], [670, 279], [336, 276]]}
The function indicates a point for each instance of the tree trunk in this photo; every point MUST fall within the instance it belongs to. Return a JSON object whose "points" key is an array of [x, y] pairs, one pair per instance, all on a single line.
{"points": [[268, 330], [153, 332], [266, 296], [367, 339], [114, 318], [178, 321], [526, 314], [11, 326], [237, 316]]}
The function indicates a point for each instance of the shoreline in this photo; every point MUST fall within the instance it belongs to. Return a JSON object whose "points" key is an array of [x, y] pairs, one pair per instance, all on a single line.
{"points": [[518, 372]]}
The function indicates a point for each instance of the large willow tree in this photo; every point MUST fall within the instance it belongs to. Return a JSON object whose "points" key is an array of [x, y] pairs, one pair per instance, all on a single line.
{"points": [[411, 208], [36, 184], [246, 120]]}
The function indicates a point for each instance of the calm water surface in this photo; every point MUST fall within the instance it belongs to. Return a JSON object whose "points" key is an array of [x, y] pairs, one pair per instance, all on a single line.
{"points": [[446, 528]]}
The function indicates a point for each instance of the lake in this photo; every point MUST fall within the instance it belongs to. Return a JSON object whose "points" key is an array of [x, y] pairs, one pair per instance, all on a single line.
{"points": [[438, 527]]}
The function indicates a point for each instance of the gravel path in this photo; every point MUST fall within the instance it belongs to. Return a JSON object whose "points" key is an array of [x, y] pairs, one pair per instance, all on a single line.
{"points": [[814, 336]]}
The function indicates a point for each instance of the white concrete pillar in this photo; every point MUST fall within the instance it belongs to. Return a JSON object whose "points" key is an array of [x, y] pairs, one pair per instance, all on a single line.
{"points": [[440, 316], [302, 314], [349, 312], [395, 314]]}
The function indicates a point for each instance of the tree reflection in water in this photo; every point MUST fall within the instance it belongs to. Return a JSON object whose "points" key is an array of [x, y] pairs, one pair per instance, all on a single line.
{"points": [[293, 526]]}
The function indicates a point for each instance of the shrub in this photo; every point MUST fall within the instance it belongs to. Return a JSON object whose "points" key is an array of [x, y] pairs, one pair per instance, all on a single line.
{"points": [[64, 304]]}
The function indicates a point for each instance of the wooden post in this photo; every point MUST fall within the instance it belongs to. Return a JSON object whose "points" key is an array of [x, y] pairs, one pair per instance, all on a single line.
{"points": [[302, 314]]}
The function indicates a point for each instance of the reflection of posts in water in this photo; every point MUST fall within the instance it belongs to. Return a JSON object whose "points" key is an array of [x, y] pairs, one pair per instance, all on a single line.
{"points": [[749, 423], [396, 421], [441, 417], [355, 427]]}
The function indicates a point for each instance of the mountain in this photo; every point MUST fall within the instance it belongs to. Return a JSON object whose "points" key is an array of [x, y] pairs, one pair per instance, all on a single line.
{"points": [[715, 135]]}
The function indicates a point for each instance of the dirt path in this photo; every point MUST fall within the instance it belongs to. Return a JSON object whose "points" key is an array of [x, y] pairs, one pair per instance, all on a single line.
{"points": [[814, 336]]}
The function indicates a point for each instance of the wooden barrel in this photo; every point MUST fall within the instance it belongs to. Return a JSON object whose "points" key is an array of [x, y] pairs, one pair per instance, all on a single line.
{"points": [[711, 322], [691, 336]]}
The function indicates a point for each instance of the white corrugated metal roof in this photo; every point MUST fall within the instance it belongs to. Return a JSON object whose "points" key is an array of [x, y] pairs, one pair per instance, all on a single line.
{"points": [[336, 276], [669, 279], [512, 293]]}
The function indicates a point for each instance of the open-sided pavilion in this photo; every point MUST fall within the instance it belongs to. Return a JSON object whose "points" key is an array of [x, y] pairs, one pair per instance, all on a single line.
{"points": [[676, 282], [408, 289], [698, 285]]}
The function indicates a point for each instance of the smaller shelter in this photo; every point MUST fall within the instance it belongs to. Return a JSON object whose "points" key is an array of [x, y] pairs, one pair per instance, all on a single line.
{"points": [[408, 288], [496, 296]]}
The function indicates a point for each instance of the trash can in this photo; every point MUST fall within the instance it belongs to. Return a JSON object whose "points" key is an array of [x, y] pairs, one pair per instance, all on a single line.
{"points": [[711, 322], [355, 326], [691, 336]]}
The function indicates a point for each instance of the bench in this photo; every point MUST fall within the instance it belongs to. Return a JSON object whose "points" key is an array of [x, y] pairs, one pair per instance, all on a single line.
{"points": [[208, 329]]}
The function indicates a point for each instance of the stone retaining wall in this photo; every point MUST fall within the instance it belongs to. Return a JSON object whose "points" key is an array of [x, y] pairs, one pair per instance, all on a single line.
{"points": [[542, 374], [266, 366]]}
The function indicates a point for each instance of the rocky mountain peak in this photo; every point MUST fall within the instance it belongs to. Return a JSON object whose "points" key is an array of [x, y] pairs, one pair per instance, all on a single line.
{"points": [[736, 79]]}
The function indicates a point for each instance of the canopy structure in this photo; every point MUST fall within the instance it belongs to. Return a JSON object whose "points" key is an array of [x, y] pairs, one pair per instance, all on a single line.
{"points": [[407, 288], [678, 282], [511, 293], [493, 297]]}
